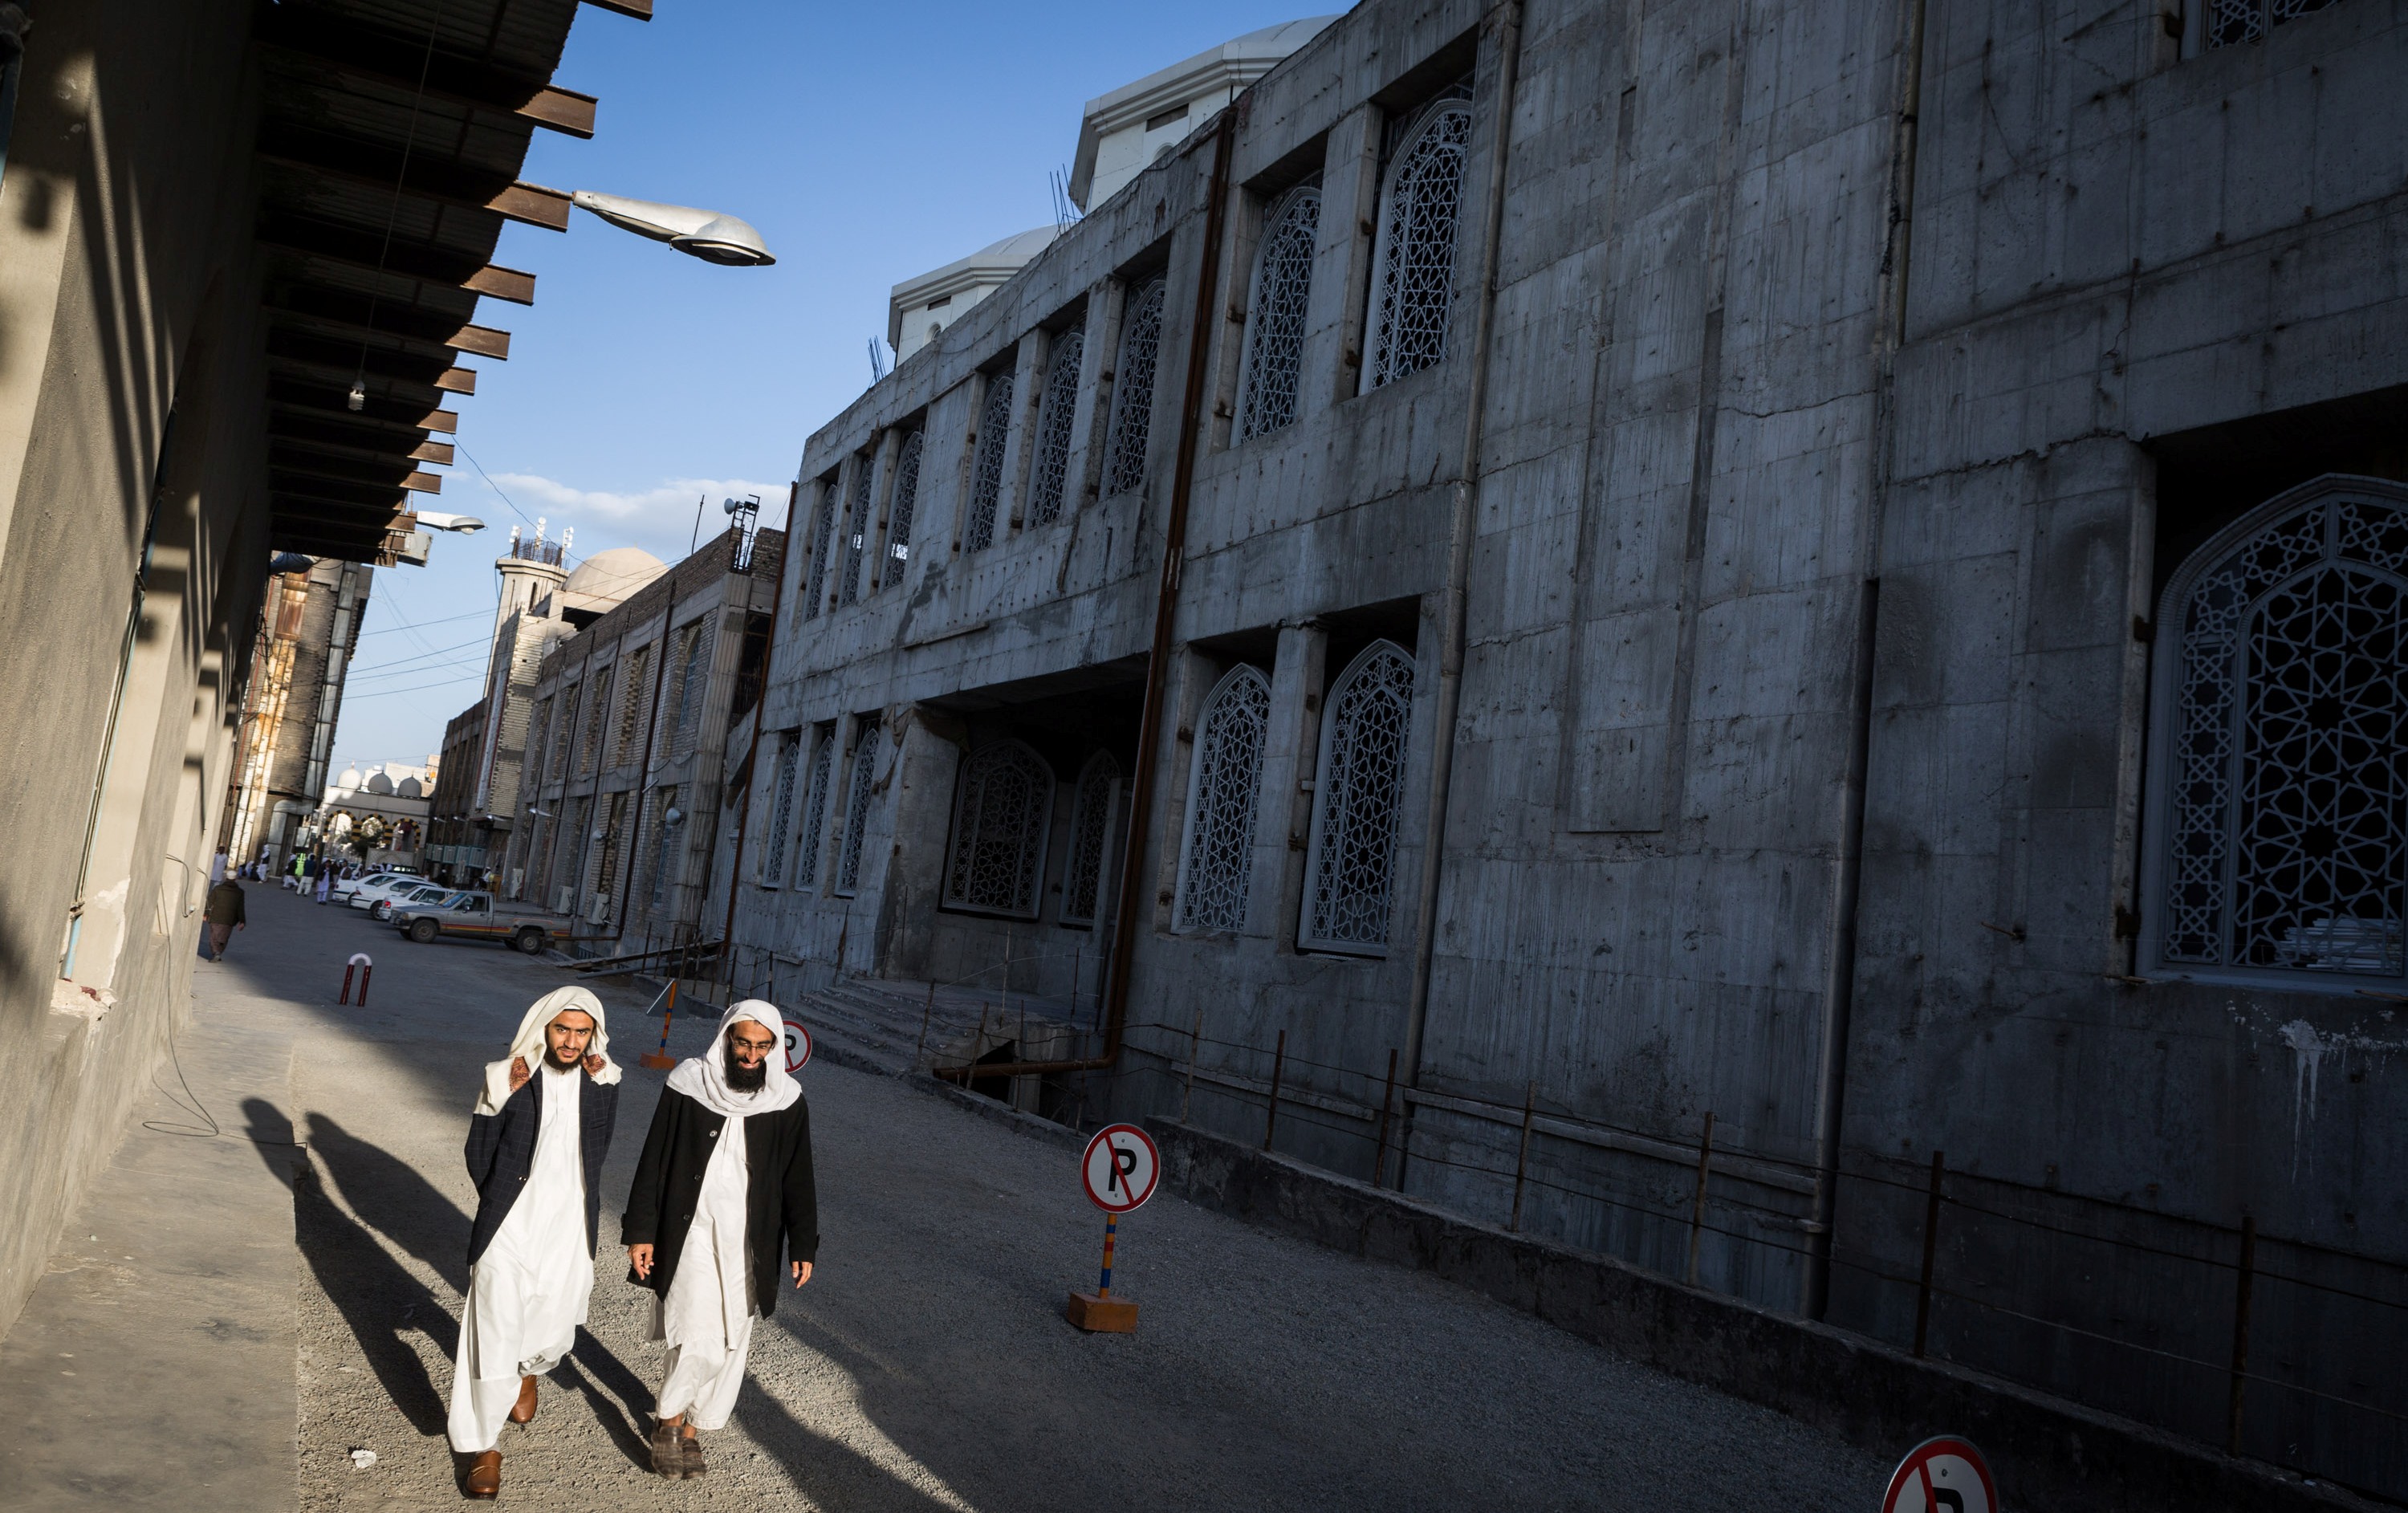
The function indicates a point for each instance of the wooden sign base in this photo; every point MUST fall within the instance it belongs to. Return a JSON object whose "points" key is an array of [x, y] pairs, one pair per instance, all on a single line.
{"points": [[1101, 1315], [654, 1059]]}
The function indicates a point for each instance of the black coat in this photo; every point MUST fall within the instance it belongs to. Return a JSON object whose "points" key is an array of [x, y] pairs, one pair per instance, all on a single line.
{"points": [[501, 1155], [781, 1201]]}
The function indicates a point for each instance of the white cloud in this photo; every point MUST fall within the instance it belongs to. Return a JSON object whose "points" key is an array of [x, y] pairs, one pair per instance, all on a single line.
{"points": [[672, 500]]}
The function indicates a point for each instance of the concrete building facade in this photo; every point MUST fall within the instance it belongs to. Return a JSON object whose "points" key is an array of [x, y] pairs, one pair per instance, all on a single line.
{"points": [[1658, 565], [301, 659]]}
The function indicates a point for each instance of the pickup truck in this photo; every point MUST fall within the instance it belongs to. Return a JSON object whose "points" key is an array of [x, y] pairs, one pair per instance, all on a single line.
{"points": [[473, 916]]}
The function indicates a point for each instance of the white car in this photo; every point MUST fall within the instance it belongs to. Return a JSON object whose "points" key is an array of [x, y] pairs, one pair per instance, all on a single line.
{"points": [[345, 886], [409, 897], [373, 891]]}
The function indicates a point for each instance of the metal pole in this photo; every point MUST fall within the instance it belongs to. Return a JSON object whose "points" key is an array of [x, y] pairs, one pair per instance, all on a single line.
{"points": [[1279, 1063], [926, 1010], [1111, 1231], [1380, 1161], [1522, 1160], [1697, 1209], [1194, 1043], [976, 1042], [1930, 1253], [2241, 1331]]}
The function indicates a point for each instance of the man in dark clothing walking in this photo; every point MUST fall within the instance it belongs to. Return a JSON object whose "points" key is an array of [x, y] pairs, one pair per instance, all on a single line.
{"points": [[725, 1184], [222, 913]]}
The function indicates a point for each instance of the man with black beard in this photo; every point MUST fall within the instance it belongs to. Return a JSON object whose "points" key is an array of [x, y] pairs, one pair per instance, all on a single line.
{"points": [[725, 1183]]}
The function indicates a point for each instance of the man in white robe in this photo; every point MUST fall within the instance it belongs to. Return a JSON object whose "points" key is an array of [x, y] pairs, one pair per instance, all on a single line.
{"points": [[724, 1186], [536, 1147]]}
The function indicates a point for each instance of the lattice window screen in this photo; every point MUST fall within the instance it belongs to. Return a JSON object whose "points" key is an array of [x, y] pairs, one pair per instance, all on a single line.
{"points": [[781, 809], [1217, 859], [1001, 813], [2281, 785], [1096, 803], [1357, 798], [1050, 472], [822, 531], [986, 463], [565, 730], [1275, 315], [806, 856], [635, 698], [1414, 263], [538, 743], [1133, 387], [605, 872], [856, 529], [907, 504], [856, 808], [693, 685], [597, 718], [662, 865], [2232, 23]]}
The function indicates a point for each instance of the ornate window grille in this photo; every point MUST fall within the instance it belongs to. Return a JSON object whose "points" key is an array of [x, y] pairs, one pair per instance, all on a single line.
{"points": [[694, 683], [856, 529], [1133, 387], [1415, 262], [1274, 364], [807, 854], [564, 730], [781, 809], [1358, 797], [1050, 472], [632, 698], [1093, 810], [1217, 857], [857, 796], [907, 501], [606, 870], [2279, 775], [664, 857], [538, 742], [986, 463], [2232, 23], [822, 531], [1001, 813], [597, 716]]}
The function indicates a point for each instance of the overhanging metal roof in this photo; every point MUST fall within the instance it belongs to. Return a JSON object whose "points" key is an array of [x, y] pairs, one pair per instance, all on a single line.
{"points": [[391, 138]]}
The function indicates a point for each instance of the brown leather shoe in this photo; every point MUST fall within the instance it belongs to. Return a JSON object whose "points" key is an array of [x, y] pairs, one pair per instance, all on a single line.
{"points": [[691, 1453], [485, 1475], [669, 1461], [523, 1411]]}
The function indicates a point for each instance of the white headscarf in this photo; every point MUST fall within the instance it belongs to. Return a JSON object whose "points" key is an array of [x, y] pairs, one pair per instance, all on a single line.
{"points": [[529, 1044], [704, 1078]]}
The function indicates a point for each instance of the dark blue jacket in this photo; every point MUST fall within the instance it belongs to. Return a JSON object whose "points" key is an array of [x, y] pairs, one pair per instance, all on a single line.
{"points": [[501, 1155]]}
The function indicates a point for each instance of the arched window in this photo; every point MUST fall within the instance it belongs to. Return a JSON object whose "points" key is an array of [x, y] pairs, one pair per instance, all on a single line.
{"points": [[1267, 378], [2279, 843], [1092, 812], [1413, 265], [1133, 387], [634, 702], [597, 715], [859, 784], [822, 530], [1349, 868], [1001, 812], [807, 852], [781, 809], [987, 464], [907, 501], [856, 529], [693, 685], [1218, 855], [1051, 469]]}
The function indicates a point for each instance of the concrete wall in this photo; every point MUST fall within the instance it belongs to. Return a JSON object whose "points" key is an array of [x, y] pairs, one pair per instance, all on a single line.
{"points": [[125, 287]]}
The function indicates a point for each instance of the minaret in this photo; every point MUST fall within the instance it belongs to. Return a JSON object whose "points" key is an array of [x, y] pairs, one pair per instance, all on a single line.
{"points": [[530, 570]]}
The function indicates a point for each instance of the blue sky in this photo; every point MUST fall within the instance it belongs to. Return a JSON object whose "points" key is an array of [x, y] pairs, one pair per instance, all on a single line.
{"points": [[868, 142]]}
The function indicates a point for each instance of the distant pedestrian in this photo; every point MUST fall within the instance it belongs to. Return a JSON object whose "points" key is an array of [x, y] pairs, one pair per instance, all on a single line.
{"points": [[325, 881], [724, 1184], [222, 912], [536, 1142], [217, 869]]}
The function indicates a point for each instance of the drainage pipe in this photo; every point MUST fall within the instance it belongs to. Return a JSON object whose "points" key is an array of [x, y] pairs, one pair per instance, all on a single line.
{"points": [[1166, 604], [1462, 532]]}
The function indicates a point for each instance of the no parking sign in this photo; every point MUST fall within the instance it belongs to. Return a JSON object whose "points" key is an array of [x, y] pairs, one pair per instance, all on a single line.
{"points": [[1945, 1472], [799, 1047], [1120, 1168]]}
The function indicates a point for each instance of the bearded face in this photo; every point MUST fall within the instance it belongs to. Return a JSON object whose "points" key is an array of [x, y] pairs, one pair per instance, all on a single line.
{"points": [[741, 1078]]}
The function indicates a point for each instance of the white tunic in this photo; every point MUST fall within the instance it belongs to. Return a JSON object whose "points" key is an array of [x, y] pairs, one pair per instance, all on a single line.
{"points": [[528, 1292], [707, 1318]]}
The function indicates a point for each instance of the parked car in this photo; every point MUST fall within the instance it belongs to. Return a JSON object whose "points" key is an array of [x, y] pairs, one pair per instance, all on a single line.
{"points": [[372, 891], [345, 886], [473, 916], [425, 893]]}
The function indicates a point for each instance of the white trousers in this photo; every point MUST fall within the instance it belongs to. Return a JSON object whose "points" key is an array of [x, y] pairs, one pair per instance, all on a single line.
{"points": [[480, 1406], [704, 1368], [704, 1375]]}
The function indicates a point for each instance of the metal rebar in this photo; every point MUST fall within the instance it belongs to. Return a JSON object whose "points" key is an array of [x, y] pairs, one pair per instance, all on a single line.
{"points": [[1522, 1159], [1387, 1099], [1270, 1114], [1698, 1207], [1930, 1253], [2242, 1288], [920, 1052]]}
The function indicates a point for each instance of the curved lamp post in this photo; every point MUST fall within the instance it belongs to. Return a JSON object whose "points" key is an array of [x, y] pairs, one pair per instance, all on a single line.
{"points": [[703, 234]]}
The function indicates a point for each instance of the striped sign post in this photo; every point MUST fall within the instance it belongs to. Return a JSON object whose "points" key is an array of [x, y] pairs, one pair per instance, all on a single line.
{"points": [[1119, 1172]]}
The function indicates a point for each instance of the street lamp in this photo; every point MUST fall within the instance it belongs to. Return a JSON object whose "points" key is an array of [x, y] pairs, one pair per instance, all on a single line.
{"points": [[465, 524], [703, 234]]}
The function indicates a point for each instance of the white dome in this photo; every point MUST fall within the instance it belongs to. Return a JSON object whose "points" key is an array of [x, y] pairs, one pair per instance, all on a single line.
{"points": [[614, 574], [349, 780]]}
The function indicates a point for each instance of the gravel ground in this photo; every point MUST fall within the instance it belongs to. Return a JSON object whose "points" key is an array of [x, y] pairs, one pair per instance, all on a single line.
{"points": [[927, 1364]]}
